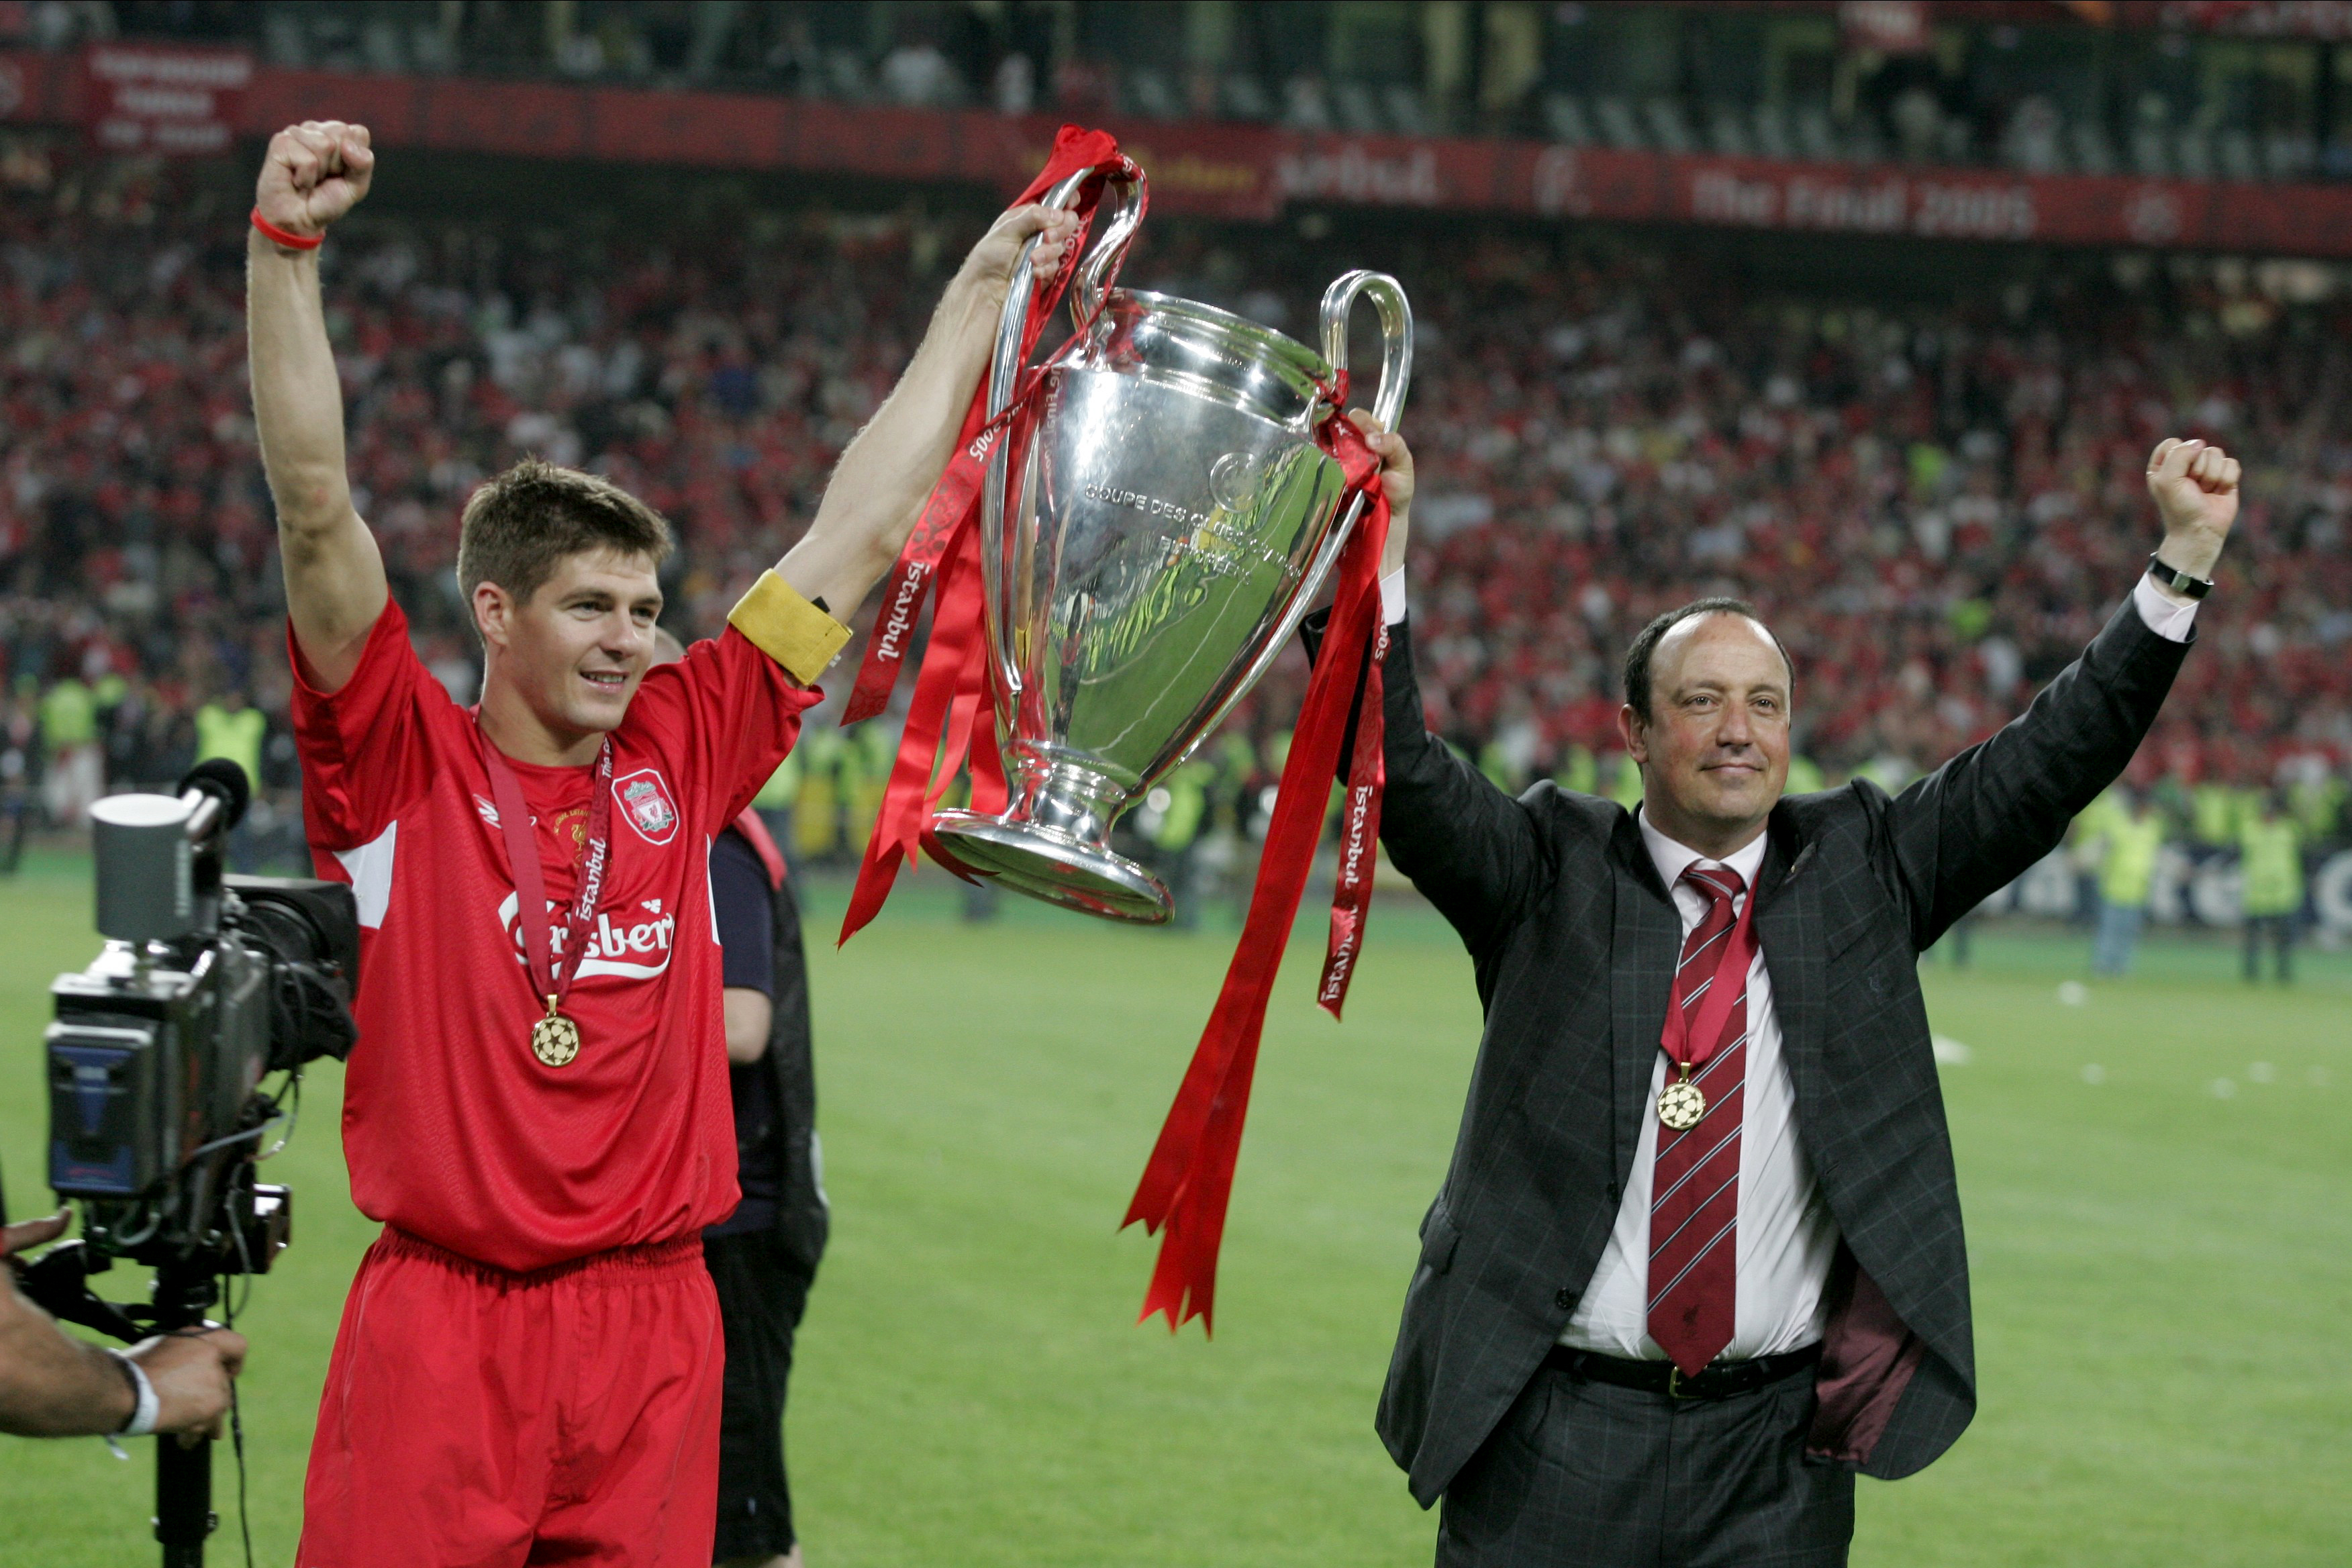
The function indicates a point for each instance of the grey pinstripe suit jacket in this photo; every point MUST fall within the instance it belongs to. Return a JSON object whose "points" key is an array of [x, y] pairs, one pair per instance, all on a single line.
{"points": [[1574, 941]]}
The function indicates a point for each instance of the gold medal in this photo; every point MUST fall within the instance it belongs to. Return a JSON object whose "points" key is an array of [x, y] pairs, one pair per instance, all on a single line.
{"points": [[1683, 1104], [555, 1039]]}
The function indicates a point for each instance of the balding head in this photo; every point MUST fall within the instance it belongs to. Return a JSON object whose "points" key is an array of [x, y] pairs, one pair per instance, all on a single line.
{"points": [[1642, 657]]}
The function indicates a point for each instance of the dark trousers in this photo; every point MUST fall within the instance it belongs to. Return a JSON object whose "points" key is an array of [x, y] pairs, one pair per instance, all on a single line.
{"points": [[762, 1292], [1588, 1475], [16, 816], [2279, 930]]}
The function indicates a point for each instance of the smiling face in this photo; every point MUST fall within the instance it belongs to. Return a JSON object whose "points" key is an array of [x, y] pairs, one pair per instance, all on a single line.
{"points": [[574, 651], [1714, 747]]}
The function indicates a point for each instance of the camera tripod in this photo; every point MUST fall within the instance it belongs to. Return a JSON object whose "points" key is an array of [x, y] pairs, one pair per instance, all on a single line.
{"points": [[184, 1473], [184, 1290]]}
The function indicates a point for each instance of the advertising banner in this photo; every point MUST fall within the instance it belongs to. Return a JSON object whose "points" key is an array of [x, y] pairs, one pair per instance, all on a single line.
{"points": [[166, 98], [157, 98]]}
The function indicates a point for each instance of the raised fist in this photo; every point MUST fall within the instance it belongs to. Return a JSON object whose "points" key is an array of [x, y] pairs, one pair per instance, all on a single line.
{"points": [[315, 172], [2196, 488]]}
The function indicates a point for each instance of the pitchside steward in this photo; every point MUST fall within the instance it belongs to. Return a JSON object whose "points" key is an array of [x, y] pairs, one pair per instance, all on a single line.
{"points": [[528, 1365], [1663, 1313]]}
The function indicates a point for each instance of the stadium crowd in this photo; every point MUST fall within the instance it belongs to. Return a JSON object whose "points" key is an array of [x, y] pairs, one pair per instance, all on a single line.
{"points": [[1936, 505]]}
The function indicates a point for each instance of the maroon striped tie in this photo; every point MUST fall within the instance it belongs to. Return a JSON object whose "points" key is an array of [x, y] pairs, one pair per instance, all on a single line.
{"points": [[1695, 1190]]}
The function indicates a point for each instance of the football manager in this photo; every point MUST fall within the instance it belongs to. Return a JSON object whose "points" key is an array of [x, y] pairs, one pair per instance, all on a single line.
{"points": [[1697, 1258]]}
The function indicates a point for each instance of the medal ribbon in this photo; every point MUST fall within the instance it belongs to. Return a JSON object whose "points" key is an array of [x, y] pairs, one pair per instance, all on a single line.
{"points": [[941, 560], [551, 977], [1183, 1192], [1693, 1045]]}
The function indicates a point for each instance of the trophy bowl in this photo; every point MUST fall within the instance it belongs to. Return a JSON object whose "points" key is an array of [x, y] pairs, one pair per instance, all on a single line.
{"points": [[1146, 552]]}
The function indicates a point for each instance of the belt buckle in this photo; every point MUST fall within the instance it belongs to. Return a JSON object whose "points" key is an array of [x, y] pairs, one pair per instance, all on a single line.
{"points": [[1675, 1380]]}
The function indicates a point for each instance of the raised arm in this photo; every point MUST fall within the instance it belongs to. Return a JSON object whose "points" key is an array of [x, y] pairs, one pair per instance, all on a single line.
{"points": [[335, 587], [1472, 850], [878, 489], [1978, 822]]}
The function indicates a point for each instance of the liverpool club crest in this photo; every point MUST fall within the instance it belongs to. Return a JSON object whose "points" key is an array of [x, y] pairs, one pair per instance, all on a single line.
{"points": [[644, 800]]}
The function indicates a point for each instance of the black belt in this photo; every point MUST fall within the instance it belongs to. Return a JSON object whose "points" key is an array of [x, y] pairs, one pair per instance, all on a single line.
{"points": [[1721, 1380]]}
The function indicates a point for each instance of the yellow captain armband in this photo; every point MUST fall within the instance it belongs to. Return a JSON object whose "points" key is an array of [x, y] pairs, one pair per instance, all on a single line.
{"points": [[788, 628]]}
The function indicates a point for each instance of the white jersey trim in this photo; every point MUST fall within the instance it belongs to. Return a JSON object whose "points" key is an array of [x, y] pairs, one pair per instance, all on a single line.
{"points": [[710, 890], [370, 869]]}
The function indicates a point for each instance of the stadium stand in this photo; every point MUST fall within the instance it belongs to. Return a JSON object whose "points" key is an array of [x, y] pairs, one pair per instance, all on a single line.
{"points": [[1931, 484], [2232, 91], [1937, 504]]}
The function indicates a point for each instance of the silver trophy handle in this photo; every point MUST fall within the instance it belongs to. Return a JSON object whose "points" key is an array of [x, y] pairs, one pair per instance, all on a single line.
{"points": [[1396, 376], [1396, 335], [1088, 286], [1387, 403]]}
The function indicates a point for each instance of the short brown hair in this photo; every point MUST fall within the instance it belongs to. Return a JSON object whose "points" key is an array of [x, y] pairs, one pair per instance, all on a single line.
{"points": [[520, 523]]}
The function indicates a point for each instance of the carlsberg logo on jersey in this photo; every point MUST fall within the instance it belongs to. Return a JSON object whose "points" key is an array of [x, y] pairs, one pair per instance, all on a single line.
{"points": [[638, 951]]}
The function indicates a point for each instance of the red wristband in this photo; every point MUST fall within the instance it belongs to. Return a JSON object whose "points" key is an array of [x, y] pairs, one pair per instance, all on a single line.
{"points": [[290, 241]]}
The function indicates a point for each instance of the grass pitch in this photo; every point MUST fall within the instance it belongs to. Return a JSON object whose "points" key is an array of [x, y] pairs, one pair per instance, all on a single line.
{"points": [[2156, 1180]]}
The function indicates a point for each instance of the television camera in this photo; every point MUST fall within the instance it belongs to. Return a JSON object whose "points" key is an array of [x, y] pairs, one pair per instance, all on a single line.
{"points": [[158, 1053]]}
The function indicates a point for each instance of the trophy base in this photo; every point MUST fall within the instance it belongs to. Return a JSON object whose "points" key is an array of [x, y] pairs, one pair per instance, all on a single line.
{"points": [[1057, 867]]}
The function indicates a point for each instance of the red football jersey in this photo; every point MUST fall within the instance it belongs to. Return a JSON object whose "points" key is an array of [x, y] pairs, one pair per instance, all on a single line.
{"points": [[454, 1130]]}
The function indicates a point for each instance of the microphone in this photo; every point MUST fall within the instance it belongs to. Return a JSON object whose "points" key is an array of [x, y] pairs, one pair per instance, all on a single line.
{"points": [[219, 793]]}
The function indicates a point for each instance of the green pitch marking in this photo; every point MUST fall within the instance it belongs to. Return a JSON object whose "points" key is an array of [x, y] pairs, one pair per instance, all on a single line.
{"points": [[2163, 1267]]}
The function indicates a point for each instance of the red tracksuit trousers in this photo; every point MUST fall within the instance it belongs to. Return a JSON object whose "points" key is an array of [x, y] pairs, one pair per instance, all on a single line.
{"points": [[475, 1419]]}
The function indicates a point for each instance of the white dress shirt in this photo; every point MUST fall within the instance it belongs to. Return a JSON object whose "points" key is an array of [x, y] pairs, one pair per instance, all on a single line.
{"points": [[1786, 1237]]}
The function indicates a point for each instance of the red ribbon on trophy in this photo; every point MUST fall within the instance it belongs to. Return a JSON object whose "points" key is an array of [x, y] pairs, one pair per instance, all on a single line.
{"points": [[1185, 1186], [1360, 822], [1183, 1193], [941, 562]]}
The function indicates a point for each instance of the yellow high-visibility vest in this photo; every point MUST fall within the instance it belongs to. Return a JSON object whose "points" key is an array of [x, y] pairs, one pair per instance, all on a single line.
{"points": [[2270, 858], [2127, 870], [233, 736]]}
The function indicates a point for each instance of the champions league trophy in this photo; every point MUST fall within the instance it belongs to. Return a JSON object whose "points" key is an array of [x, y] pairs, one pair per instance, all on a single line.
{"points": [[1170, 523]]}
